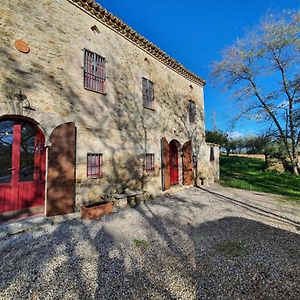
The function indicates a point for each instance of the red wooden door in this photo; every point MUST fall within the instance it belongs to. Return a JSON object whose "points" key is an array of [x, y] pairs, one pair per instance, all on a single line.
{"points": [[165, 162], [61, 170], [187, 164], [174, 178], [22, 165]]}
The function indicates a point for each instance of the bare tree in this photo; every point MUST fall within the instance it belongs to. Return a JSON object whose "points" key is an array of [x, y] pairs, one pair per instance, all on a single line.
{"points": [[262, 71]]}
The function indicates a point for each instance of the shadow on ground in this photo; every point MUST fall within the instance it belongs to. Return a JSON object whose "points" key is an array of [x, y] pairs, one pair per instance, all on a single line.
{"points": [[253, 208], [226, 258]]}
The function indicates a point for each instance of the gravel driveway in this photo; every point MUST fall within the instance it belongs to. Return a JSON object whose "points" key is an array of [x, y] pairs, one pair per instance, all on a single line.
{"points": [[212, 243]]}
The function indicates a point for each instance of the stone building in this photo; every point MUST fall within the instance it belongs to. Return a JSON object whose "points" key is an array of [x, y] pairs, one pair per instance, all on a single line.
{"points": [[89, 108]]}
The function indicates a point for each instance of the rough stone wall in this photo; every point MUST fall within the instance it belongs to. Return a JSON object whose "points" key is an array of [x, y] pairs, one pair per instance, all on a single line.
{"points": [[115, 124], [210, 168]]}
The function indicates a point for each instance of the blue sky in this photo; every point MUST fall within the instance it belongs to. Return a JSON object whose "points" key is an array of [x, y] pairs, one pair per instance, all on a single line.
{"points": [[194, 32]]}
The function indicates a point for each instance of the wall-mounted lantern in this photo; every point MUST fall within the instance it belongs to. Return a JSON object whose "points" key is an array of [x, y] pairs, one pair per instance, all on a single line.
{"points": [[22, 98]]}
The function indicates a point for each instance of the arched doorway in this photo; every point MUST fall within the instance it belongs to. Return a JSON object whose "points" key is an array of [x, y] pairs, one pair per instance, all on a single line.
{"points": [[165, 164], [174, 167], [22, 164]]}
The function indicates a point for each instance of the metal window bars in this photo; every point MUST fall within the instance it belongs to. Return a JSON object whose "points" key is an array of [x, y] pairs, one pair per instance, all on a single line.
{"points": [[94, 72], [94, 164]]}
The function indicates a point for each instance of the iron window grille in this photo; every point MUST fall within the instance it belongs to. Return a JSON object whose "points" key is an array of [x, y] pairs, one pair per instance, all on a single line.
{"points": [[94, 72], [149, 162], [192, 111], [94, 165], [148, 93]]}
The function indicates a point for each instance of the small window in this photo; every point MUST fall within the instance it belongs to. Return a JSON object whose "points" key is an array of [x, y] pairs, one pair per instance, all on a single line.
{"points": [[195, 159], [212, 154], [192, 111], [95, 29], [94, 72], [149, 162], [94, 165], [148, 93]]}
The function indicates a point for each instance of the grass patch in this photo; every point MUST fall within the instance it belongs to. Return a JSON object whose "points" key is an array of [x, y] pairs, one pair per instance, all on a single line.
{"points": [[140, 243], [231, 248], [249, 174]]}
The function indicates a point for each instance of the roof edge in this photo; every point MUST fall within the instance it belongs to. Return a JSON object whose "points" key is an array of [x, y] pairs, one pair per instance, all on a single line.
{"points": [[213, 144], [117, 25]]}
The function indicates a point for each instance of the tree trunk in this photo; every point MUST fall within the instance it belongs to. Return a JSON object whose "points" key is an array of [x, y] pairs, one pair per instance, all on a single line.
{"points": [[295, 165], [295, 170], [291, 152], [227, 151]]}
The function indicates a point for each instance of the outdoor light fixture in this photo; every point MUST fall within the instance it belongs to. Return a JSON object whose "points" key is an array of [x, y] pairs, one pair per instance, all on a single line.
{"points": [[21, 98]]}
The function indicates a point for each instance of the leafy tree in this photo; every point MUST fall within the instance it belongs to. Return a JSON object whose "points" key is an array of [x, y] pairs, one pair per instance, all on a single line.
{"points": [[262, 71], [231, 145], [221, 138], [217, 137], [264, 144]]}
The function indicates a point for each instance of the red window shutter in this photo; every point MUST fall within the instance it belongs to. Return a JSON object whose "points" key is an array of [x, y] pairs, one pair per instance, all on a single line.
{"points": [[94, 164], [192, 111], [144, 91], [149, 162], [151, 94], [101, 165], [94, 71], [148, 93], [102, 75]]}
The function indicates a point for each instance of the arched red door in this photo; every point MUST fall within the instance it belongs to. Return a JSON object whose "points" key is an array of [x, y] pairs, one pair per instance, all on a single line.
{"points": [[165, 164], [174, 174], [22, 165]]}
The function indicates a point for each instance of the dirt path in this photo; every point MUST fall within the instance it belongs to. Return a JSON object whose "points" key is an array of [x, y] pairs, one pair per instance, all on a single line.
{"points": [[212, 243]]}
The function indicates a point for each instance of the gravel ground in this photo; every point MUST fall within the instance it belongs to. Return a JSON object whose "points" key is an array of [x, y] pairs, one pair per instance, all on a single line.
{"points": [[213, 243]]}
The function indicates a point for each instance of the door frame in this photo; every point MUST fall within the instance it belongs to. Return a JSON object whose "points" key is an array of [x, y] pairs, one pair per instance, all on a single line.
{"points": [[37, 185]]}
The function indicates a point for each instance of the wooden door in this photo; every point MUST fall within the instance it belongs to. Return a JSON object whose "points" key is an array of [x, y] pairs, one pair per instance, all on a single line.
{"points": [[22, 165], [174, 174], [61, 170], [165, 164], [187, 164]]}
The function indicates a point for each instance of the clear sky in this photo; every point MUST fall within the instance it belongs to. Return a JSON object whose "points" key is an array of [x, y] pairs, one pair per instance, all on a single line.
{"points": [[194, 32]]}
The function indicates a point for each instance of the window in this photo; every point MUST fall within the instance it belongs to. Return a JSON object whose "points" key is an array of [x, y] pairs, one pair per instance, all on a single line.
{"points": [[94, 165], [149, 162], [192, 111], [148, 93], [94, 72], [212, 154], [95, 29], [195, 159]]}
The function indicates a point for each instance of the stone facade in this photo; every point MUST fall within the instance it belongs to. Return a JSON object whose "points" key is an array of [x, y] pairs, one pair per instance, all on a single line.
{"points": [[115, 123]]}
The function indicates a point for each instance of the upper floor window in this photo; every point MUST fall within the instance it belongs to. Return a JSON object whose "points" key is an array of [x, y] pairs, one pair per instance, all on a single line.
{"points": [[149, 162], [192, 111], [94, 165], [94, 72], [212, 154], [148, 93]]}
